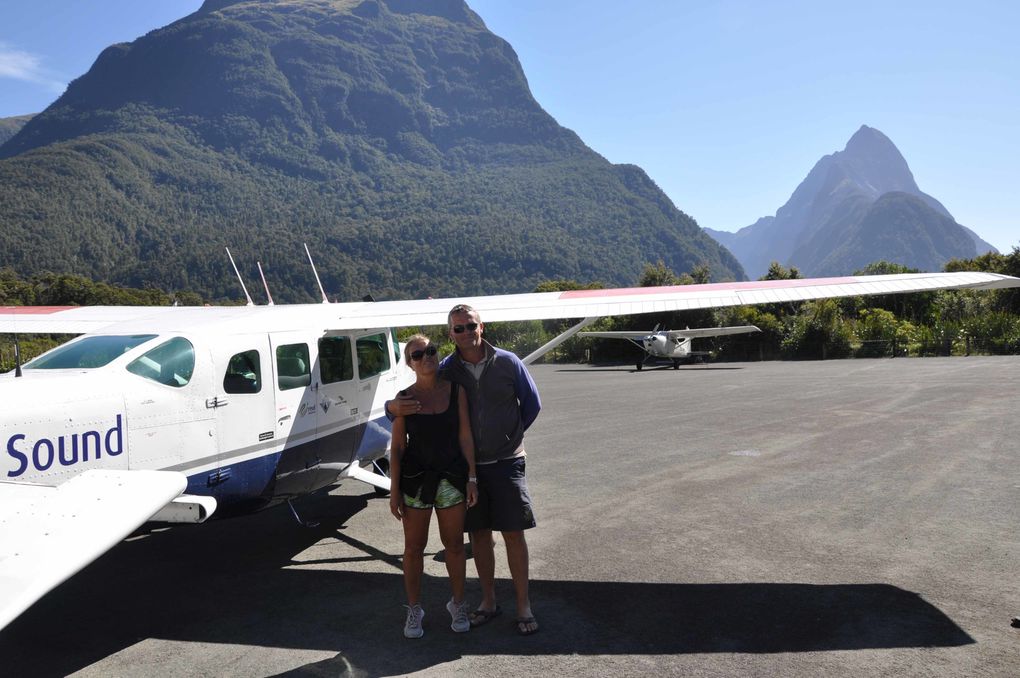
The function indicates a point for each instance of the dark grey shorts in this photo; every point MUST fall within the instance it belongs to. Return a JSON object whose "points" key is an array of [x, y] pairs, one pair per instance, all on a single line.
{"points": [[503, 504]]}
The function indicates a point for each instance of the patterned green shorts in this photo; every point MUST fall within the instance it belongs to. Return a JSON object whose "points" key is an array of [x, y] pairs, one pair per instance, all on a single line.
{"points": [[446, 496]]}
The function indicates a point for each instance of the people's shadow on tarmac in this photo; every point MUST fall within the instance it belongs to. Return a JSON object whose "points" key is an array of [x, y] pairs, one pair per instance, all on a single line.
{"points": [[234, 582]]}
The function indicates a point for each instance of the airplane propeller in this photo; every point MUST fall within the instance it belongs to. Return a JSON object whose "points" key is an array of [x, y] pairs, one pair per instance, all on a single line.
{"points": [[645, 355]]}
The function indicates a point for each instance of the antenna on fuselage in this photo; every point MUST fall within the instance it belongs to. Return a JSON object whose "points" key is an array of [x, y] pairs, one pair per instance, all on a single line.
{"points": [[325, 300], [238, 273], [17, 356], [263, 276]]}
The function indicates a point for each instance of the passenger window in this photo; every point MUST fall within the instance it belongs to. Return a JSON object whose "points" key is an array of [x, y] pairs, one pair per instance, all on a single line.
{"points": [[335, 363], [171, 363], [373, 355], [292, 365], [244, 373]]}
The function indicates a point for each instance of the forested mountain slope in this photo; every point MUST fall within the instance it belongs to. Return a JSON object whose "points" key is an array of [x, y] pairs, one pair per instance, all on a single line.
{"points": [[399, 138]]}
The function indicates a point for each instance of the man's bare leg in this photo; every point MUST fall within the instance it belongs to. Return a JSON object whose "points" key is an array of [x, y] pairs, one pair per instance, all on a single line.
{"points": [[485, 563], [517, 559]]}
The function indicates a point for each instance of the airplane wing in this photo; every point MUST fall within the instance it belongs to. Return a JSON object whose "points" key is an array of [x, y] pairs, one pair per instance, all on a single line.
{"points": [[505, 307], [702, 332], [632, 336], [49, 533], [628, 301], [688, 333], [71, 319]]}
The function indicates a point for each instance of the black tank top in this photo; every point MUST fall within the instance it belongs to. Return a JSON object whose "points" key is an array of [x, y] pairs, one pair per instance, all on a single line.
{"points": [[433, 451]]}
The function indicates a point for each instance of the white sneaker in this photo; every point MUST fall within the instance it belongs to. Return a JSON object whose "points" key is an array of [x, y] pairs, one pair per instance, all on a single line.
{"points": [[412, 627], [459, 615]]}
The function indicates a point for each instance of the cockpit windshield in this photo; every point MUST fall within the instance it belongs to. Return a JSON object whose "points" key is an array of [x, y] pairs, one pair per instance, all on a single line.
{"points": [[89, 353]]}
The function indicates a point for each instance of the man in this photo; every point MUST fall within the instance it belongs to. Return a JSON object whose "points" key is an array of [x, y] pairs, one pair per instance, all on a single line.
{"points": [[503, 402]]}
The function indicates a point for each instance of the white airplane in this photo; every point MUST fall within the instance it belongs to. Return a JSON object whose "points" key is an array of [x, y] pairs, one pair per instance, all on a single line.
{"points": [[673, 345], [177, 414]]}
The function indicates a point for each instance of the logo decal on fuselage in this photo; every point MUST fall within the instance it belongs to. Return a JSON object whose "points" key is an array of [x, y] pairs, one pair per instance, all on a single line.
{"points": [[65, 450]]}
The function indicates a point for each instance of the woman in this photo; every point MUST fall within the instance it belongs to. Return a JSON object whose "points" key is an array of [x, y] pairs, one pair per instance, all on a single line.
{"points": [[432, 465]]}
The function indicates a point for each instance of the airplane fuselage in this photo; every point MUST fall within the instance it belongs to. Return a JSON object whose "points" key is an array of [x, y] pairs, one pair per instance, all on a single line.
{"points": [[251, 418], [661, 345]]}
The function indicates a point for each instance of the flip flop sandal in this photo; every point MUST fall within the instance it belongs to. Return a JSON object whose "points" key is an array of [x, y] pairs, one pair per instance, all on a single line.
{"points": [[525, 620], [482, 617]]}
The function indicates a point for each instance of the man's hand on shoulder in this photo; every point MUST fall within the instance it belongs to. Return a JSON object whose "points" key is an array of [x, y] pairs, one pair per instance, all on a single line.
{"points": [[403, 405]]}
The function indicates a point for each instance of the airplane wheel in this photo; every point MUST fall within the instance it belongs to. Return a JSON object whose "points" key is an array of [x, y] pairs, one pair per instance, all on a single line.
{"points": [[382, 466], [640, 364], [676, 364]]}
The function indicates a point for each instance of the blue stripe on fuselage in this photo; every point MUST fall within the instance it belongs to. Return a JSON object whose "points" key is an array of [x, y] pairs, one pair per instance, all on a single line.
{"points": [[263, 481]]}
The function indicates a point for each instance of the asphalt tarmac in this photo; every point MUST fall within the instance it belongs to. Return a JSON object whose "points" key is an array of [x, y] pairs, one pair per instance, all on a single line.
{"points": [[857, 517]]}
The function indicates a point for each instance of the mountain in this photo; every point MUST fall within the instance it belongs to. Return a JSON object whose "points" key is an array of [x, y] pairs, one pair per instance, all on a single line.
{"points": [[10, 126], [399, 138], [855, 207]]}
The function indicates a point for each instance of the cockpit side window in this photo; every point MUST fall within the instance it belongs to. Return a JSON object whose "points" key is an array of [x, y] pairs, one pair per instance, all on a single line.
{"points": [[171, 363], [293, 366], [88, 353], [244, 373]]}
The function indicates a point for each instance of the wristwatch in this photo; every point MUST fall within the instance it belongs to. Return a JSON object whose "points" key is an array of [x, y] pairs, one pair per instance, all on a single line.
{"points": [[473, 479]]}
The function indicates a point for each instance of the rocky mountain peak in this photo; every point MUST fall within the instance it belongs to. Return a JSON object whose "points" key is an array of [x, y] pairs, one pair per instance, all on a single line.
{"points": [[455, 11], [873, 162], [832, 221]]}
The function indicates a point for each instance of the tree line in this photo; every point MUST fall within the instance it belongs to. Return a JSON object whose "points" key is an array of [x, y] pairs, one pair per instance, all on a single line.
{"points": [[944, 322], [931, 323]]}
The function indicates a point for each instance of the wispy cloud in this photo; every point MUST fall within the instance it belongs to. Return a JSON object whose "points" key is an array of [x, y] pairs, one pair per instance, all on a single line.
{"points": [[28, 67]]}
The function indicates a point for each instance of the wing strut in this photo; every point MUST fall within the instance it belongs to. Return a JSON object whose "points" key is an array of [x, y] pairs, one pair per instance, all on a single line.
{"points": [[556, 341]]}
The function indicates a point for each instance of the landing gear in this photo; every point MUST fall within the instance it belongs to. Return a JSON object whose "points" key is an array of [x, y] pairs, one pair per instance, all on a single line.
{"points": [[640, 364], [676, 364]]}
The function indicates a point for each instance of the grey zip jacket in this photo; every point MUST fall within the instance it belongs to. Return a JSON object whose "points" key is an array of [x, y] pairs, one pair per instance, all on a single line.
{"points": [[504, 402]]}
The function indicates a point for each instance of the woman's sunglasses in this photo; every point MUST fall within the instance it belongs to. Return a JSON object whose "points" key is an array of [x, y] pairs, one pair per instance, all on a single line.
{"points": [[429, 350]]}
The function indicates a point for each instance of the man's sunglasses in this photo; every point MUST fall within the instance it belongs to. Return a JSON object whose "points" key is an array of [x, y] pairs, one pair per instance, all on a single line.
{"points": [[429, 350], [470, 327]]}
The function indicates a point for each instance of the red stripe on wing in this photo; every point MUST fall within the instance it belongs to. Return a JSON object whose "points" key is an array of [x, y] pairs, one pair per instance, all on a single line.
{"points": [[711, 287]]}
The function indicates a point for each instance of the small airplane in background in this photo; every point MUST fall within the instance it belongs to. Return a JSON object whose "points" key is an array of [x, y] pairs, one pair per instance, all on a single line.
{"points": [[673, 345], [177, 414]]}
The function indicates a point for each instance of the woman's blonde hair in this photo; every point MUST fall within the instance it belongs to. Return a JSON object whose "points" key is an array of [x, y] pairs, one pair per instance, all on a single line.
{"points": [[410, 340]]}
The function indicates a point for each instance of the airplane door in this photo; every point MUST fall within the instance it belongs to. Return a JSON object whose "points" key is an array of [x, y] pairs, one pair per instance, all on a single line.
{"points": [[170, 423], [377, 356], [296, 394], [337, 399], [245, 422]]}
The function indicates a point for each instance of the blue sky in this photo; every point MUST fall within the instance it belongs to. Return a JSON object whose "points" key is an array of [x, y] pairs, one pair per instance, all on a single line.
{"points": [[727, 105]]}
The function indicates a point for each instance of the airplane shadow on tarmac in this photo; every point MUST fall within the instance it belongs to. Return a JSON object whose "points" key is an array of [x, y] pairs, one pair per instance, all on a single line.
{"points": [[235, 582]]}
